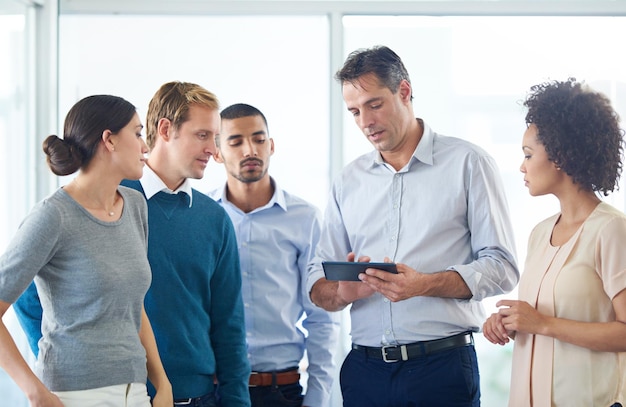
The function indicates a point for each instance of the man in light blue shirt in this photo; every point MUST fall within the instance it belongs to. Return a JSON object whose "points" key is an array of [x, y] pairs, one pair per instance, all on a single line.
{"points": [[435, 206], [276, 233]]}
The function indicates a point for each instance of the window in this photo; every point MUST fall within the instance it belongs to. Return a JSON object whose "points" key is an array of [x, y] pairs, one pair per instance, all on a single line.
{"points": [[14, 151], [278, 64]]}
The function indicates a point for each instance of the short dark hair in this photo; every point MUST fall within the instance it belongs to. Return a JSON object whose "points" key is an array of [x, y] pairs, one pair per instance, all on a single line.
{"points": [[378, 60], [580, 131], [239, 110], [82, 133]]}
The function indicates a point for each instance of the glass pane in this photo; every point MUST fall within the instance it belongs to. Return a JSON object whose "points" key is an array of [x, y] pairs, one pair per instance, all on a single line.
{"points": [[13, 138], [13, 159], [469, 76], [278, 64]]}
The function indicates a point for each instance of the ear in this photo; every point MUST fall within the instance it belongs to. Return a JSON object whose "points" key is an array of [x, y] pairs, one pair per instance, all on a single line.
{"points": [[271, 146], [405, 91], [218, 156], [107, 139], [163, 128]]}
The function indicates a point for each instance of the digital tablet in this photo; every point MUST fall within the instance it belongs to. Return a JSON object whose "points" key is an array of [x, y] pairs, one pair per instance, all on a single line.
{"points": [[349, 271]]}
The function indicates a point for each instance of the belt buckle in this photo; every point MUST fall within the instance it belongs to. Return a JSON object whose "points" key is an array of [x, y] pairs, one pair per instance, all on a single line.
{"points": [[183, 403], [384, 352], [403, 353], [252, 374]]}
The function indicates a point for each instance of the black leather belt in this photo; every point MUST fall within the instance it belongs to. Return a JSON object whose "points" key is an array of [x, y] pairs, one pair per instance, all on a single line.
{"points": [[195, 401], [396, 353]]}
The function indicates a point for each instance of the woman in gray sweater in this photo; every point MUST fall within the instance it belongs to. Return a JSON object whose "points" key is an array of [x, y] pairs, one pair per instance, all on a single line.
{"points": [[85, 246]]}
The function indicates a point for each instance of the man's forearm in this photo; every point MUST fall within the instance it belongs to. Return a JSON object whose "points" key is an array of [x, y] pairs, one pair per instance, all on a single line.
{"points": [[325, 295], [446, 284]]}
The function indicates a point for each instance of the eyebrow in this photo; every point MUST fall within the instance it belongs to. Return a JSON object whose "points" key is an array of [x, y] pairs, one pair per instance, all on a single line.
{"points": [[368, 102], [256, 133], [375, 99]]}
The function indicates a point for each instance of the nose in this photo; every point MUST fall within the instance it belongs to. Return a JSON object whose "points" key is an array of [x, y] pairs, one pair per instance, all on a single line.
{"points": [[365, 120], [144, 146], [209, 146], [522, 168], [249, 149]]}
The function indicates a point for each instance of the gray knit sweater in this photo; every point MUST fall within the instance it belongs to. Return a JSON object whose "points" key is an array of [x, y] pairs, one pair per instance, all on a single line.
{"points": [[91, 277]]}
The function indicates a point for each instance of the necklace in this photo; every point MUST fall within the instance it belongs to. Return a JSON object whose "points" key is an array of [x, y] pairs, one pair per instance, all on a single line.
{"points": [[109, 212]]}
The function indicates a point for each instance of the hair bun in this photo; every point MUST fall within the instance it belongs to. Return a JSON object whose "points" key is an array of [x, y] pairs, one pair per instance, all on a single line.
{"points": [[62, 157]]}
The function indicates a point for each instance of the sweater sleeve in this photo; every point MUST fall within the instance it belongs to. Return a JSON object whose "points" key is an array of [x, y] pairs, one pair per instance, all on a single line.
{"points": [[32, 247], [228, 325]]}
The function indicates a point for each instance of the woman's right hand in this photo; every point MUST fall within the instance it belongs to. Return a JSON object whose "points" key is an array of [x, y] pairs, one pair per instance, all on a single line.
{"points": [[494, 330], [12, 362], [44, 398]]}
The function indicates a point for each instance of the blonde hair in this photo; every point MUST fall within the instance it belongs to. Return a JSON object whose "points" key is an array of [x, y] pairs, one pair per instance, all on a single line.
{"points": [[172, 101]]}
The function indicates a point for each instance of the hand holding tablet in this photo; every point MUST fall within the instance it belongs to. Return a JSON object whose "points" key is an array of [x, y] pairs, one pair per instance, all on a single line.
{"points": [[349, 271]]}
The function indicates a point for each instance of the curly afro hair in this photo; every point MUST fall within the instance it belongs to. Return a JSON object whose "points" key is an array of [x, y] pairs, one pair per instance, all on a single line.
{"points": [[580, 131]]}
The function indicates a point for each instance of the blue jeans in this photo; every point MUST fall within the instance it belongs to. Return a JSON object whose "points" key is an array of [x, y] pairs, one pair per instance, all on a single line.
{"points": [[442, 379], [289, 395], [208, 400]]}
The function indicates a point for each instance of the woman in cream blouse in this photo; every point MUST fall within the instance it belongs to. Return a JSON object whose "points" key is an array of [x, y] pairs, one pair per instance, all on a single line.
{"points": [[569, 323]]}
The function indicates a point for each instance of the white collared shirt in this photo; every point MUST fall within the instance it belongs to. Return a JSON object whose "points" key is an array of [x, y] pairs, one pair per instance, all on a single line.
{"points": [[153, 184]]}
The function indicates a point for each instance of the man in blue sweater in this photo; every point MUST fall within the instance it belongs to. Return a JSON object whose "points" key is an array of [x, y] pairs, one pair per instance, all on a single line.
{"points": [[194, 303]]}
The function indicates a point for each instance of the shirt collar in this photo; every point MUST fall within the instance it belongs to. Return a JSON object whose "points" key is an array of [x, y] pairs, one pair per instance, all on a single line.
{"points": [[423, 152], [278, 198], [152, 184]]}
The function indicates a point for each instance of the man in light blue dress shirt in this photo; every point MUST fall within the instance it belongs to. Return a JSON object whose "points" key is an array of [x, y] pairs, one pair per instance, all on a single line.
{"points": [[435, 206], [276, 233]]}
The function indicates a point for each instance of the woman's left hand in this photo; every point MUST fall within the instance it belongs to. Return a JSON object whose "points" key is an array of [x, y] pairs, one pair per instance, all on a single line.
{"points": [[163, 398], [520, 316]]}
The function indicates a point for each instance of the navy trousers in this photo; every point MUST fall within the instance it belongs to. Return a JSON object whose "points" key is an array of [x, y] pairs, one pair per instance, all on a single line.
{"points": [[208, 400], [288, 395], [442, 379]]}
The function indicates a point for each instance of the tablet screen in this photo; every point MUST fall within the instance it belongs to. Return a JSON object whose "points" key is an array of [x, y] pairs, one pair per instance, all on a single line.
{"points": [[349, 271]]}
